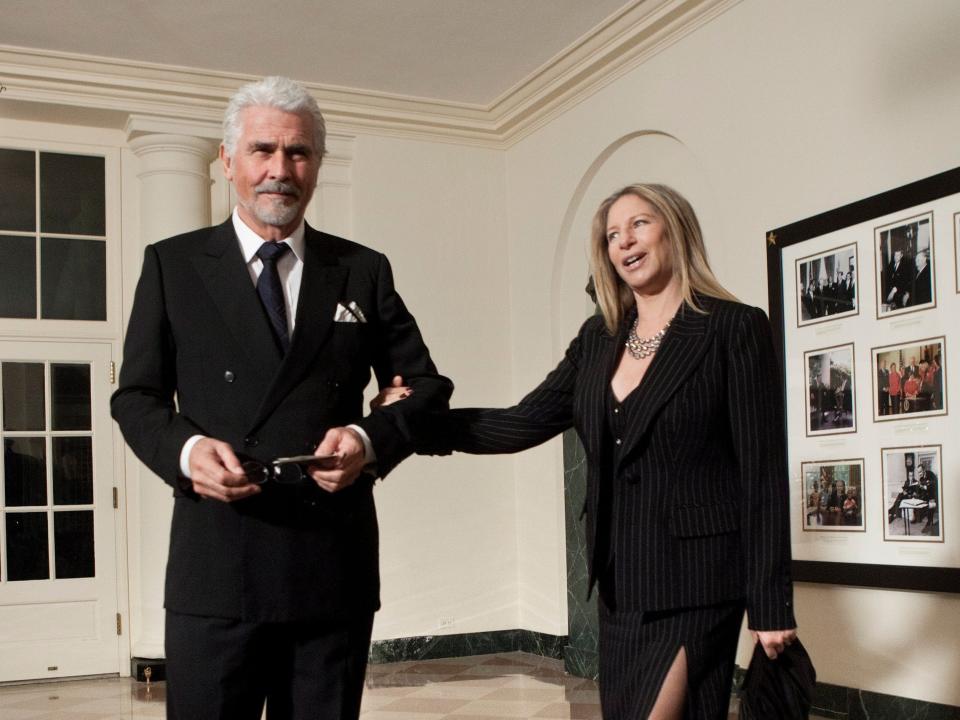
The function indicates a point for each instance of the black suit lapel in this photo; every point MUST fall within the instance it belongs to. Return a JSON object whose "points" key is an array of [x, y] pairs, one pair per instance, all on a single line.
{"points": [[321, 286], [227, 280], [678, 356]]}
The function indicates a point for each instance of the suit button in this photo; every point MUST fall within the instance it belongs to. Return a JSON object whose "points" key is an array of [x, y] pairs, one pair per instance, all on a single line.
{"points": [[251, 441], [619, 441], [229, 376]]}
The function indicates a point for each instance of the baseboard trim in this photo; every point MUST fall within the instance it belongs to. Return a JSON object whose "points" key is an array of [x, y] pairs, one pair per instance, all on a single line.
{"points": [[837, 702], [427, 647], [462, 645]]}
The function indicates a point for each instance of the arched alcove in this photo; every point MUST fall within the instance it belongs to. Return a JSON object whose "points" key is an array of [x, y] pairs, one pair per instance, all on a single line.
{"points": [[642, 156]]}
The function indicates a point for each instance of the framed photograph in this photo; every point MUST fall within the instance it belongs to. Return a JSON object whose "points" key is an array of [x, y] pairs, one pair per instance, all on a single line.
{"points": [[827, 286], [833, 498], [904, 262], [912, 494], [909, 379], [830, 391], [829, 348]]}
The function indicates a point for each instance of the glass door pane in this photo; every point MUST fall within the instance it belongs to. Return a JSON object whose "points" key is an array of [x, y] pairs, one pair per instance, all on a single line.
{"points": [[52, 218], [47, 470]]}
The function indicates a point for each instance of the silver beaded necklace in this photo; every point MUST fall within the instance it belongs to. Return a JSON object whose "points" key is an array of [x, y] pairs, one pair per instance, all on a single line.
{"points": [[641, 348]]}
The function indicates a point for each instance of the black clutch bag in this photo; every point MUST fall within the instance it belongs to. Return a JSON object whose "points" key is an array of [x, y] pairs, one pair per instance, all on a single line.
{"points": [[781, 688]]}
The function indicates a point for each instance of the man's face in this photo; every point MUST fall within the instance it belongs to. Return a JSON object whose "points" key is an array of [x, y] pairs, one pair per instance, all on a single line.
{"points": [[274, 170], [897, 254], [920, 261]]}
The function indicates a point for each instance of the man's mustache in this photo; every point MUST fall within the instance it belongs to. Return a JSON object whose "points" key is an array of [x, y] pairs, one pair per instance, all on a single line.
{"points": [[277, 186]]}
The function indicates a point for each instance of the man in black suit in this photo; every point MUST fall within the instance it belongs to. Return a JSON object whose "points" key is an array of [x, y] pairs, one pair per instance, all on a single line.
{"points": [[806, 299], [248, 342], [849, 291], [922, 293], [898, 281], [883, 385], [927, 490]]}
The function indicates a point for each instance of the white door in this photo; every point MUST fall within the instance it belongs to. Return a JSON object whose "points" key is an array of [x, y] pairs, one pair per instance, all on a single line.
{"points": [[58, 557]]}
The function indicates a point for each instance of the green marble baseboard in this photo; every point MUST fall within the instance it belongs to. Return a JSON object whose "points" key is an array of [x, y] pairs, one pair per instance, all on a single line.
{"points": [[580, 662], [842, 703], [483, 643]]}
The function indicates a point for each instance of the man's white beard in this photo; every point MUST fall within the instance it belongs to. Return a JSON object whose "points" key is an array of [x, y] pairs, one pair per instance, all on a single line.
{"points": [[276, 214]]}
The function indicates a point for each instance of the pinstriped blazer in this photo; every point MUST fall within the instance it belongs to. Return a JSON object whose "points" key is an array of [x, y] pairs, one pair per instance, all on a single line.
{"points": [[699, 492]]}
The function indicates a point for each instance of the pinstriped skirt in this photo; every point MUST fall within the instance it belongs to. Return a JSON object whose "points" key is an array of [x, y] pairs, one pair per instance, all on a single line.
{"points": [[638, 648]]}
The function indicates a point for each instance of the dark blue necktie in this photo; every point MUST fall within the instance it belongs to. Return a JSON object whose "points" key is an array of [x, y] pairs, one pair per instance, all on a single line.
{"points": [[271, 291]]}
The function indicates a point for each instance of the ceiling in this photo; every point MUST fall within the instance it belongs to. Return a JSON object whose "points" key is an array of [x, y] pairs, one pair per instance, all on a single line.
{"points": [[462, 51]]}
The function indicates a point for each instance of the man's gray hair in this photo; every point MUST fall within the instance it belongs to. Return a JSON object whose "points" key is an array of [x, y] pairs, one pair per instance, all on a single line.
{"points": [[277, 92]]}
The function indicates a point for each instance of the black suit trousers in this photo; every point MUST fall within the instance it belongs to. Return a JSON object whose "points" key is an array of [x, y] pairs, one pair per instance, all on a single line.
{"points": [[222, 669]]}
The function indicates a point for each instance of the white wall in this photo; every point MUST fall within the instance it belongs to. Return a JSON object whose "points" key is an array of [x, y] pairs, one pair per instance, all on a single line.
{"points": [[780, 110], [448, 525]]}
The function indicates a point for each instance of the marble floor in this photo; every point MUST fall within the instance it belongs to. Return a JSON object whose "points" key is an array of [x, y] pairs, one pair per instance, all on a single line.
{"points": [[482, 687]]}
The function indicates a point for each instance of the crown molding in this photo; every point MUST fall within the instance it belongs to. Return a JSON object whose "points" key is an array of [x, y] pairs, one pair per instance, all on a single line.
{"points": [[619, 44], [138, 125], [145, 94]]}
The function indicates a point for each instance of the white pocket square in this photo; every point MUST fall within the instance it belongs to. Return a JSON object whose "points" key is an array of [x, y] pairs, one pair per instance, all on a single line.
{"points": [[350, 312]]}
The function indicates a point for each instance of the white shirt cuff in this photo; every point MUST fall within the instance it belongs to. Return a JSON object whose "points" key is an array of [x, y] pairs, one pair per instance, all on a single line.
{"points": [[185, 454], [369, 456]]}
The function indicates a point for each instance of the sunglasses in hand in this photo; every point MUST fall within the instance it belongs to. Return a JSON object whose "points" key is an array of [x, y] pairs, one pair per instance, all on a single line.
{"points": [[286, 470]]}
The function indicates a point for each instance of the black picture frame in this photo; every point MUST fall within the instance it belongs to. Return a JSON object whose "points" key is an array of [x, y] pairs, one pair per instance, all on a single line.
{"points": [[911, 195]]}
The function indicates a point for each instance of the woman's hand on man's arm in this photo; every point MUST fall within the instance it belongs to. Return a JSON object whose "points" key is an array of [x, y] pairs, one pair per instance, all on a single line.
{"points": [[394, 392]]}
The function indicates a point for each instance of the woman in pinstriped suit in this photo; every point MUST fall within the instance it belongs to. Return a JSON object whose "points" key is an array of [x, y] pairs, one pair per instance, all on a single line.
{"points": [[675, 393]]}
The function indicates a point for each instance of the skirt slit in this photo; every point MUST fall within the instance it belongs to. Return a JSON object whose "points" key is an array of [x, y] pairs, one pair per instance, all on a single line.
{"points": [[637, 650]]}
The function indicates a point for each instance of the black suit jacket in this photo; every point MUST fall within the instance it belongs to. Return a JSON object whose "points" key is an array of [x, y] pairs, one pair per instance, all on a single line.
{"points": [[898, 276], [922, 289], [199, 358], [700, 513]]}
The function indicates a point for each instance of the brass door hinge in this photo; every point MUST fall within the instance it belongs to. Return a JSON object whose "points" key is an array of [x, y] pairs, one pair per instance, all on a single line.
{"points": [[116, 499], [119, 625], [113, 372]]}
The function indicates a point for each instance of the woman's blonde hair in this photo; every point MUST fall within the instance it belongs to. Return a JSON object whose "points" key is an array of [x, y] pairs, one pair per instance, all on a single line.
{"points": [[689, 256]]}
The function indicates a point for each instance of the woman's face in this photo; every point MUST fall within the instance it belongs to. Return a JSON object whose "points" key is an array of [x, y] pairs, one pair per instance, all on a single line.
{"points": [[637, 245]]}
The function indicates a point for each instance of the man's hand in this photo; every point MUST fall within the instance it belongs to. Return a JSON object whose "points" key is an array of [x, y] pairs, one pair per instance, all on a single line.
{"points": [[392, 393], [216, 472], [774, 641], [334, 475]]}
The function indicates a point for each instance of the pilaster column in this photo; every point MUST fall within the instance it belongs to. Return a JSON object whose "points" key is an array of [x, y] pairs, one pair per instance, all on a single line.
{"points": [[174, 193], [174, 184]]}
